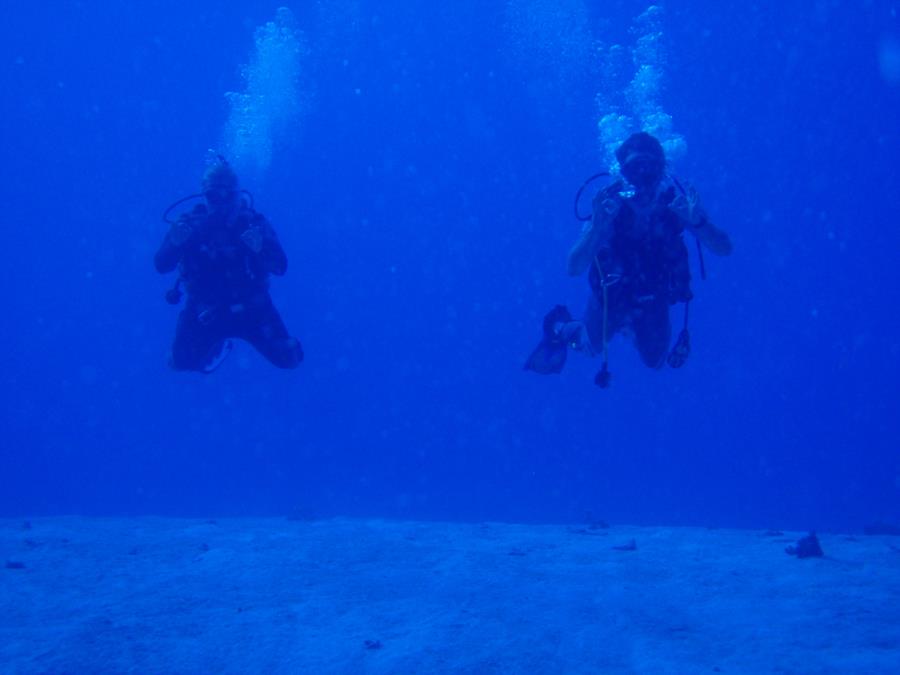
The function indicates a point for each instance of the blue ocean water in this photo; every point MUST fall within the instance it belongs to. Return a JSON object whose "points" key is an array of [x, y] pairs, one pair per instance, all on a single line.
{"points": [[419, 163]]}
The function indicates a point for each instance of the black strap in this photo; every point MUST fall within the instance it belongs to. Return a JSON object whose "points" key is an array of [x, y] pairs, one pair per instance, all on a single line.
{"points": [[581, 190], [199, 195], [700, 256]]}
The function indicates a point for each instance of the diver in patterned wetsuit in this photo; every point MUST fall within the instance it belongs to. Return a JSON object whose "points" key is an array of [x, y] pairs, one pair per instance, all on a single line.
{"points": [[638, 265], [225, 252]]}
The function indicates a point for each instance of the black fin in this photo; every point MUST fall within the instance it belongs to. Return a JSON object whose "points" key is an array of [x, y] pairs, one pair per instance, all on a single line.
{"points": [[550, 355]]}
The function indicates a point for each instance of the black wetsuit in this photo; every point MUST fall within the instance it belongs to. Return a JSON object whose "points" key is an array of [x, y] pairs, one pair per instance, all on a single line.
{"points": [[654, 273], [227, 289]]}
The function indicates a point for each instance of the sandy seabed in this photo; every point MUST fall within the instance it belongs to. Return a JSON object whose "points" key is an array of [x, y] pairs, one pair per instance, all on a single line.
{"points": [[154, 595]]}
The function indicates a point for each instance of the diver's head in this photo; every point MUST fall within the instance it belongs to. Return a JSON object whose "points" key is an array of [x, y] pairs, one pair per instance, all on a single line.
{"points": [[642, 160], [220, 187]]}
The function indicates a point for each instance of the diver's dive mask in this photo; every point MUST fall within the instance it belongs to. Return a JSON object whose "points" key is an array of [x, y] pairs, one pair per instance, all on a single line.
{"points": [[642, 169], [218, 196]]}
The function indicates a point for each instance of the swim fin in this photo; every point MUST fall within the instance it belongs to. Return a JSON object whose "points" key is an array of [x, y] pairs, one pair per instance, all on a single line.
{"points": [[550, 355], [218, 356]]}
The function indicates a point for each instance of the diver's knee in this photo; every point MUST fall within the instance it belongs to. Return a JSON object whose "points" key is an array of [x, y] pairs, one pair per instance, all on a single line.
{"points": [[290, 355], [655, 359], [653, 349], [187, 360], [178, 361]]}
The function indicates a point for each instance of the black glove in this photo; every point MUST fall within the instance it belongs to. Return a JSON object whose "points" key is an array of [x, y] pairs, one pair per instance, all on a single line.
{"points": [[180, 232], [253, 238], [607, 201]]}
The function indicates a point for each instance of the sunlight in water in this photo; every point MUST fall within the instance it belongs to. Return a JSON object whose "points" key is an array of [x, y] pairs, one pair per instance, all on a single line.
{"points": [[549, 38], [889, 60]]}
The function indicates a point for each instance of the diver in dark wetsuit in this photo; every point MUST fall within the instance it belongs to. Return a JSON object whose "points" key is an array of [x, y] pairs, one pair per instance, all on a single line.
{"points": [[225, 252], [634, 250]]}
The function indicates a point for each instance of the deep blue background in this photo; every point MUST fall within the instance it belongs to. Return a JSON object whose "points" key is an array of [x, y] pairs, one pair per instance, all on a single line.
{"points": [[425, 205]]}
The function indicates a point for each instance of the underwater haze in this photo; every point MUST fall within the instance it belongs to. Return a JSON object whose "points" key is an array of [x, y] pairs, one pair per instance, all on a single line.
{"points": [[419, 163]]}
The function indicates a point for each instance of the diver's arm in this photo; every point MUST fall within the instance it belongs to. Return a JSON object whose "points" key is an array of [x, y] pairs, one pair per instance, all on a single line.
{"points": [[596, 235], [172, 249], [168, 255], [272, 254], [261, 239], [583, 251], [712, 237], [689, 210]]}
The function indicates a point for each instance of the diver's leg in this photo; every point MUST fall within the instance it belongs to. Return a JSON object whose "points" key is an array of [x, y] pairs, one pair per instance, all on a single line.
{"points": [[265, 330], [652, 332], [195, 341]]}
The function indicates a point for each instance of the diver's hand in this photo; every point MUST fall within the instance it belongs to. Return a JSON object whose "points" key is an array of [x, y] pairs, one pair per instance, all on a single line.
{"points": [[609, 270], [180, 232], [575, 335], [687, 207], [607, 201], [253, 238]]}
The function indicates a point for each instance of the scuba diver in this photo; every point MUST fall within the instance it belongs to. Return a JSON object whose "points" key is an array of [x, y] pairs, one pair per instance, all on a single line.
{"points": [[633, 248], [225, 252]]}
